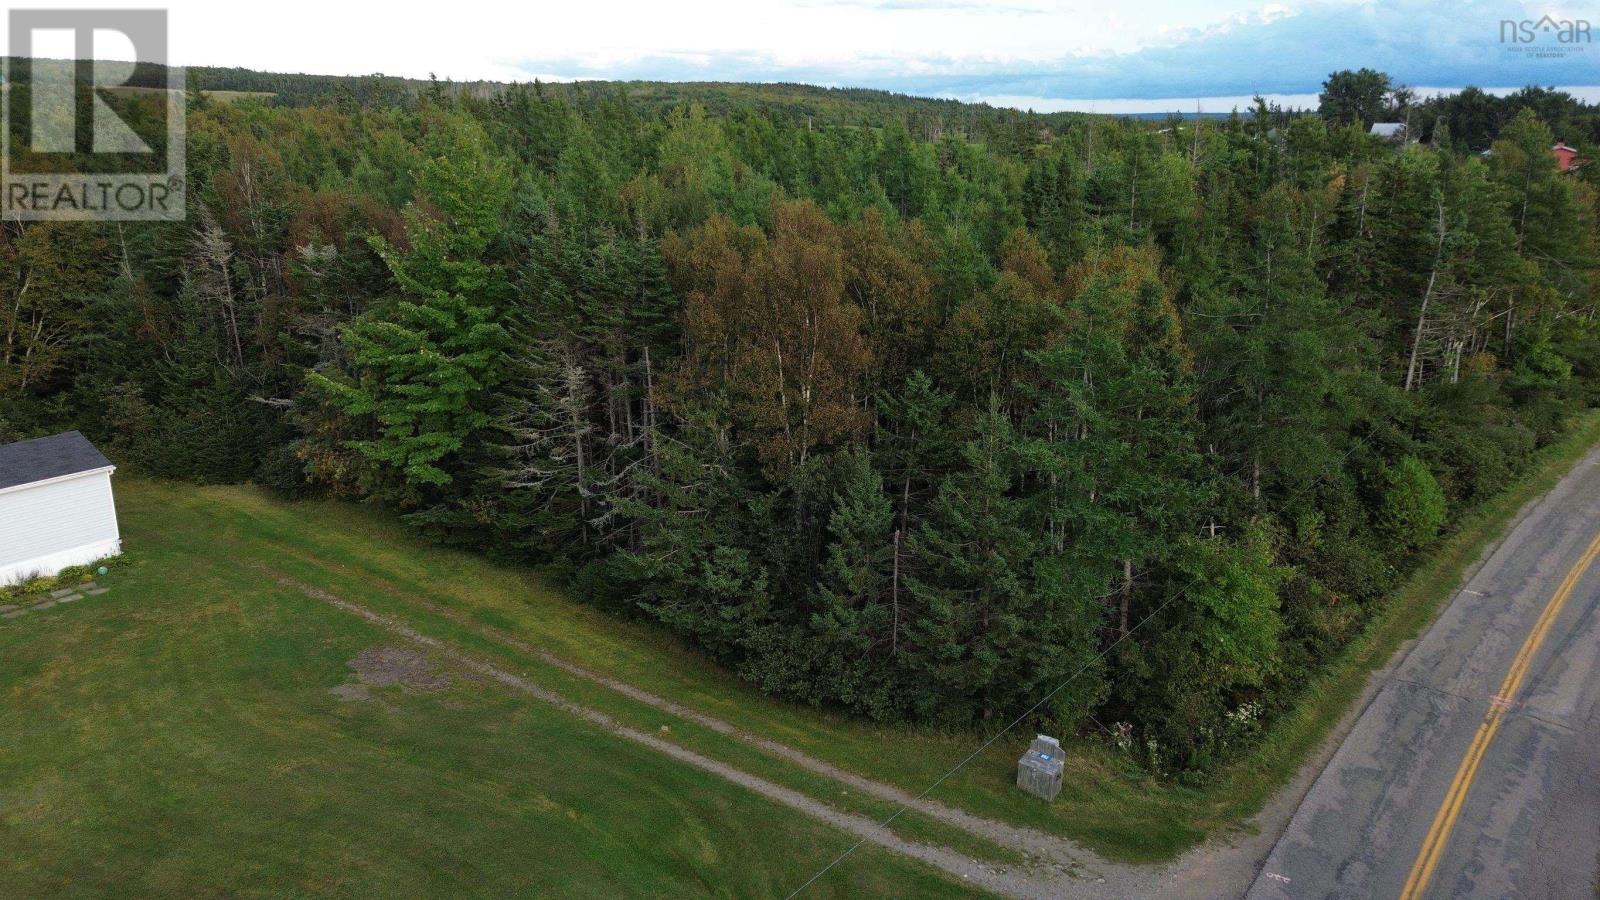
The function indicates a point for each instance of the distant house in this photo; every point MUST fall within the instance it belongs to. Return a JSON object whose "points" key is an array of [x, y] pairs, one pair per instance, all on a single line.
{"points": [[1389, 131], [1567, 158], [56, 508]]}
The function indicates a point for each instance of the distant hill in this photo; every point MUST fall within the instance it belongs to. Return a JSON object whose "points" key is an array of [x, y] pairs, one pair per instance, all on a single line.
{"points": [[1186, 116], [799, 103]]}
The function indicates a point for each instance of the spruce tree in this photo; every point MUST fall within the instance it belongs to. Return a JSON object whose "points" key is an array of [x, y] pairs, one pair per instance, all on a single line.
{"points": [[426, 363]]}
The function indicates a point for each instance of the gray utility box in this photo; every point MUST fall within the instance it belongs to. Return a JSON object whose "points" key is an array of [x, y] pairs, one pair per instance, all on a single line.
{"points": [[1039, 770]]}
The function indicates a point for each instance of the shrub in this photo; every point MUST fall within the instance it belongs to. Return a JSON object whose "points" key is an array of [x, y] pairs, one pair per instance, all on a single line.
{"points": [[1412, 508]]}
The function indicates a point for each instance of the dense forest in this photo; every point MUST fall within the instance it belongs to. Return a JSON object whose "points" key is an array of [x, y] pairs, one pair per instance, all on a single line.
{"points": [[897, 406]]}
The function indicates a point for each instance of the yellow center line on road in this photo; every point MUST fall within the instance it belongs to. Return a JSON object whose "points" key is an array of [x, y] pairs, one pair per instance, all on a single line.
{"points": [[1443, 822]]}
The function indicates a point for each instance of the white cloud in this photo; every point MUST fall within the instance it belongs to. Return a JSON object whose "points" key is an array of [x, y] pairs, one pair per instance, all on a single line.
{"points": [[1054, 51]]}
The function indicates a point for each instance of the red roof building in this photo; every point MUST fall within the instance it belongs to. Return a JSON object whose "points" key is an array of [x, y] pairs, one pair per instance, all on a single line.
{"points": [[1567, 158]]}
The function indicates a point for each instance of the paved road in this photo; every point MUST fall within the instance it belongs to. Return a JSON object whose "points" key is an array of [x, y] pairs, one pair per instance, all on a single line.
{"points": [[1528, 823]]}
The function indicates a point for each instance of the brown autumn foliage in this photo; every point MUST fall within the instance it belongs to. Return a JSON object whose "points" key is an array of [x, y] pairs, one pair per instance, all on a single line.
{"points": [[770, 331], [888, 276], [994, 330]]}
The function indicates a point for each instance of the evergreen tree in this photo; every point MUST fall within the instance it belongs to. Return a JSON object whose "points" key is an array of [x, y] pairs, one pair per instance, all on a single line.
{"points": [[992, 624], [1113, 429], [426, 364], [1354, 97], [856, 618]]}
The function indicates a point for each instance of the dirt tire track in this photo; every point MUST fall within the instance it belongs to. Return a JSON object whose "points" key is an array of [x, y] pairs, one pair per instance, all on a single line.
{"points": [[1030, 842], [1006, 880]]}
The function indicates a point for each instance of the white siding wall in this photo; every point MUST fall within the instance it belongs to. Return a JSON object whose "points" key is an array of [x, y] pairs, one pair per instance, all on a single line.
{"points": [[48, 527]]}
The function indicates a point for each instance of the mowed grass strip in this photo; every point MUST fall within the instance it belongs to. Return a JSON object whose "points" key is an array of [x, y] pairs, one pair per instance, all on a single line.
{"points": [[1103, 806], [179, 736], [342, 546], [357, 549], [629, 712], [277, 562]]}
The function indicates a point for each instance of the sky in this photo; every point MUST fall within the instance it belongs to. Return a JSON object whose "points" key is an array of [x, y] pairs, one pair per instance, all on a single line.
{"points": [[1048, 55]]}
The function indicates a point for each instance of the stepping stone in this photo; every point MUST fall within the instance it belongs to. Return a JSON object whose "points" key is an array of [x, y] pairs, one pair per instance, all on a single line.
{"points": [[61, 592], [70, 599], [7, 607], [45, 605], [13, 614], [88, 586], [95, 592]]}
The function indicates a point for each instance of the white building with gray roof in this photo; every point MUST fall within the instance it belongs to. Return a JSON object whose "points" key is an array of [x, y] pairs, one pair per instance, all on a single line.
{"points": [[56, 508]]}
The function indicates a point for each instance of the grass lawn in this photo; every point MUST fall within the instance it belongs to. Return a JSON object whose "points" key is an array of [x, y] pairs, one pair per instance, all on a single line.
{"points": [[187, 714], [180, 736], [362, 554]]}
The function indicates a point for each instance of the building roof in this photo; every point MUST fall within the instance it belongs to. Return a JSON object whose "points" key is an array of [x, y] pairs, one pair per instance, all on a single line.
{"points": [[1567, 158], [41, 459]]}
